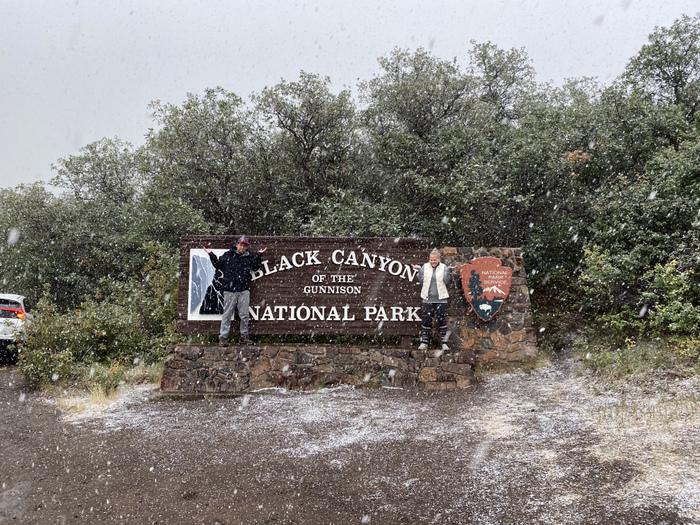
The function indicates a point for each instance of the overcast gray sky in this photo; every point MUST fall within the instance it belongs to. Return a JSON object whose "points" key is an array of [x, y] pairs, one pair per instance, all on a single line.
{"points": [[74, 72]]}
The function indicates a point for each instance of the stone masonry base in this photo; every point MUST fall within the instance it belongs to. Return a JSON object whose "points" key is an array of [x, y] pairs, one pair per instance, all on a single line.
{"points": [[240, 369]]}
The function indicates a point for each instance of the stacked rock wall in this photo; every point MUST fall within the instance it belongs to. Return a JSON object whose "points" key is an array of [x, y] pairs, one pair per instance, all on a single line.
{"points": [[509, 339], [230, 370]]}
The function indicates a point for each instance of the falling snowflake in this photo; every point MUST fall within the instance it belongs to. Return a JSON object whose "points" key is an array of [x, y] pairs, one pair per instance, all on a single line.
{"points": [[13, 237], [245, 401], [643, 310]]}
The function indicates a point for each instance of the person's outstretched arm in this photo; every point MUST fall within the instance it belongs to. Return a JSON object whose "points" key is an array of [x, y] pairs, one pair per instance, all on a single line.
{"points": [[215, 261], [257, 259]]}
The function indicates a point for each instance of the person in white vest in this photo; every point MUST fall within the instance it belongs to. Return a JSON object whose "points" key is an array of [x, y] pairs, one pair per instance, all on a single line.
{"points": [[436, 278]]}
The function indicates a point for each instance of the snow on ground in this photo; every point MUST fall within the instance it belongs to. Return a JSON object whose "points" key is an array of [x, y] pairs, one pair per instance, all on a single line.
{"points": [[549, 426], [79, 408], [660, 435]]}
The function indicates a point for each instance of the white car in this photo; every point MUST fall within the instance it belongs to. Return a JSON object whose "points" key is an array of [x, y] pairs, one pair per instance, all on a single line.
{"points": [[13, 315]]}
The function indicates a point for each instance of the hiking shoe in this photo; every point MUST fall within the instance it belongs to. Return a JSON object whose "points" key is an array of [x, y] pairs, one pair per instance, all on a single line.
{"points": [[445, 348], [245, 341], [422, 346], [223, 342]]}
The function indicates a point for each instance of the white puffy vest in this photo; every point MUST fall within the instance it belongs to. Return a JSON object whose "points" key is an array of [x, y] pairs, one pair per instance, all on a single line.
{"points": [[439, 279]]}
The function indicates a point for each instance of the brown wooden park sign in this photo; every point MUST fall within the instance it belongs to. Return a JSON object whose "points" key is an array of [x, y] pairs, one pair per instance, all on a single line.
{"points": [[310, 285]]}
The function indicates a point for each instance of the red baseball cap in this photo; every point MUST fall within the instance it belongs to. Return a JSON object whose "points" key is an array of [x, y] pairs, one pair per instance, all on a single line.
{"points": [[243, 240]]}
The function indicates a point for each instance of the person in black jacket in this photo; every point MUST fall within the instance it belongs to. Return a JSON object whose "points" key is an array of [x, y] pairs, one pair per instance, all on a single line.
{"points": [[236, 266]]}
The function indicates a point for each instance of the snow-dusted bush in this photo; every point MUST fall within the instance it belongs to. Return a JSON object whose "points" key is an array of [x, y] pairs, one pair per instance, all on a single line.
{"points": [[121, 323]]}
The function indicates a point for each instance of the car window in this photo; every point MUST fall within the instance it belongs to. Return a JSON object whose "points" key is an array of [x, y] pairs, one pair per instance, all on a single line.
{"points": [[9, 303], [8, 309]]}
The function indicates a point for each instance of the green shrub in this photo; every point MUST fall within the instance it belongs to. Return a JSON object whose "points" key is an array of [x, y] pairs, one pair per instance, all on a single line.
{"points": [[124, 321], [687, 349], [603, 278], [105, 379], [47, 354], [670, 297], [679, 356], [665, 304]]}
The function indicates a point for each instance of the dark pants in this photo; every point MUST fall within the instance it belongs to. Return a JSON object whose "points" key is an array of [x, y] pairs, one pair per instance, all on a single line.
{"points": [[428, 312]]}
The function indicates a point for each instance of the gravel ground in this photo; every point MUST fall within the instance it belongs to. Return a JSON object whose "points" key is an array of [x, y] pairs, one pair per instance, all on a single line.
{"points": [[549, 446]]}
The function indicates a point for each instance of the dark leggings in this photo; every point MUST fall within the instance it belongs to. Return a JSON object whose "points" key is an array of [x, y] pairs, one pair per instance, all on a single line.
{"points": [[428, 312]]}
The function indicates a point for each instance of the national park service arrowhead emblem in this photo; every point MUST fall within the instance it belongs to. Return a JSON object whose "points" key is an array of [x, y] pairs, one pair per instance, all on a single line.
{"points": [[486, 284]]}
